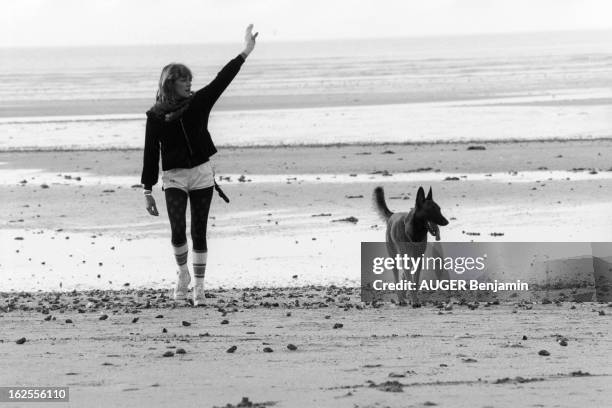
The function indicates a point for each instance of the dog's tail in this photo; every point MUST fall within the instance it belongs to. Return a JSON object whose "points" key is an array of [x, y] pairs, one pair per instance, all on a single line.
{"points": [[379, 203]]}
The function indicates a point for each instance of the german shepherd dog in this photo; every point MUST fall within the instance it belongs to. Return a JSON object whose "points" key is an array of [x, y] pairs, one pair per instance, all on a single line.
{"points": [[405, 229]]}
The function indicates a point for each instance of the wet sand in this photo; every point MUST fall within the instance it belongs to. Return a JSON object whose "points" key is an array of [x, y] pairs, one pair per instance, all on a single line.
{"points": [[475, 355], [95, 233], [50, 108]]}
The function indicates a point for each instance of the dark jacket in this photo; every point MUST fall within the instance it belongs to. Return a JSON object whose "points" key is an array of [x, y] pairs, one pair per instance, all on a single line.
{"points": [[186, 142]]}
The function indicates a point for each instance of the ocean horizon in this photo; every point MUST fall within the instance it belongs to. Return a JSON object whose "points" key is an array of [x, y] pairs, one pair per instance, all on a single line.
{"points": [[404, 90]]}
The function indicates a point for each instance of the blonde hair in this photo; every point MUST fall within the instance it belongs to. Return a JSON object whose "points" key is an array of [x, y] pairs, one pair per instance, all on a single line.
{"points": [[170, 73]]}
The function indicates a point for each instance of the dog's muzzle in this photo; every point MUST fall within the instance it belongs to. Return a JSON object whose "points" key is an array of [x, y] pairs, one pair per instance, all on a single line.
{"points": [[433, 229]]}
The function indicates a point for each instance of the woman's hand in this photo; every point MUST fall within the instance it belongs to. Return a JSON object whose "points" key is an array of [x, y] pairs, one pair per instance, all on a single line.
{"points": [[151, 207], [249, 40]]}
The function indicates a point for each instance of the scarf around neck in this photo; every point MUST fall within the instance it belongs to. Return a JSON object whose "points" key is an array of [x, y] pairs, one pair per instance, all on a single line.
{"points": [[171, 111]]}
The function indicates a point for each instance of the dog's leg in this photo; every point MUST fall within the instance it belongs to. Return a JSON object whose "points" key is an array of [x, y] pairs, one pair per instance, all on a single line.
{"points": [[418, 249], [441, 273], [416, 279], [393, 250], [401, 295]]}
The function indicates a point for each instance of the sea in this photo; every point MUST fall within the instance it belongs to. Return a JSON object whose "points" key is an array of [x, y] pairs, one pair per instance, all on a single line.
{"points": [[503, 87]]}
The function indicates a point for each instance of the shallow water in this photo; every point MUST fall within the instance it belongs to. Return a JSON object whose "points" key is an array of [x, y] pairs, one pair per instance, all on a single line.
{"points": [[311, 248], [397, 123], [500, 87], [39, 176]]}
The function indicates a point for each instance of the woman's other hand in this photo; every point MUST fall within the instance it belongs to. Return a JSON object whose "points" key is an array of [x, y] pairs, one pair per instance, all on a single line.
{"points": [[151, 207], [249, 40]]}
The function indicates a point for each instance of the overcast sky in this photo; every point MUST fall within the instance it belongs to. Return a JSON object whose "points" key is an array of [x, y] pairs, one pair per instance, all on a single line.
{"points": [[97, 22]]}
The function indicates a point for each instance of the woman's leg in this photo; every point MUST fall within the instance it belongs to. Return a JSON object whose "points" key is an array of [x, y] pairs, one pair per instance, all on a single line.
{"points": [[200, 204], [176, 204]]}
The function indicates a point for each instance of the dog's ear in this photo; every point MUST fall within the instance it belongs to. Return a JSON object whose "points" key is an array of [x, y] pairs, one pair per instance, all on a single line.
{"points": [[420, 197], [429, 197]]}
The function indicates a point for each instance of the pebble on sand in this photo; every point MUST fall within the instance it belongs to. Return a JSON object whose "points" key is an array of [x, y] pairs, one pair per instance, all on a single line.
{"points": [[543, 353], [168, 354], [103, 317], [292, 347], [267, 350], [21, 340], [388, 386], [338, 326], [186, 323], [231, 349], [181, 351], [245, 403], [164, 330], [351, 219]]}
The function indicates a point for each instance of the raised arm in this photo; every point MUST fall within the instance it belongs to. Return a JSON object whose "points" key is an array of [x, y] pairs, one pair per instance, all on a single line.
{"points": [[249, 41], [207, 96]]}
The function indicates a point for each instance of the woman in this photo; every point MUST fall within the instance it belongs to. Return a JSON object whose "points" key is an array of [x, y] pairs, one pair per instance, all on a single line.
{"points": [[177, 125]]}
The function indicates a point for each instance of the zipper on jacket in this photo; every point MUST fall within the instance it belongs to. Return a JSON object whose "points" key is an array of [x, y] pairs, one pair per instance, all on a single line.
{"points": [[186, 138]]}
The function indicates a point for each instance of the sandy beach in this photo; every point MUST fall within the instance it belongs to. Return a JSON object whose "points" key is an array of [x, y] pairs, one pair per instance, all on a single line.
{"points": [[301, 347], [75, 220], [512, 132]]}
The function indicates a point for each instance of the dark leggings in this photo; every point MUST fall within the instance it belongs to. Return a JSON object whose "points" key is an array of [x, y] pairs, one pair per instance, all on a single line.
{"points": [[176, 203]]}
